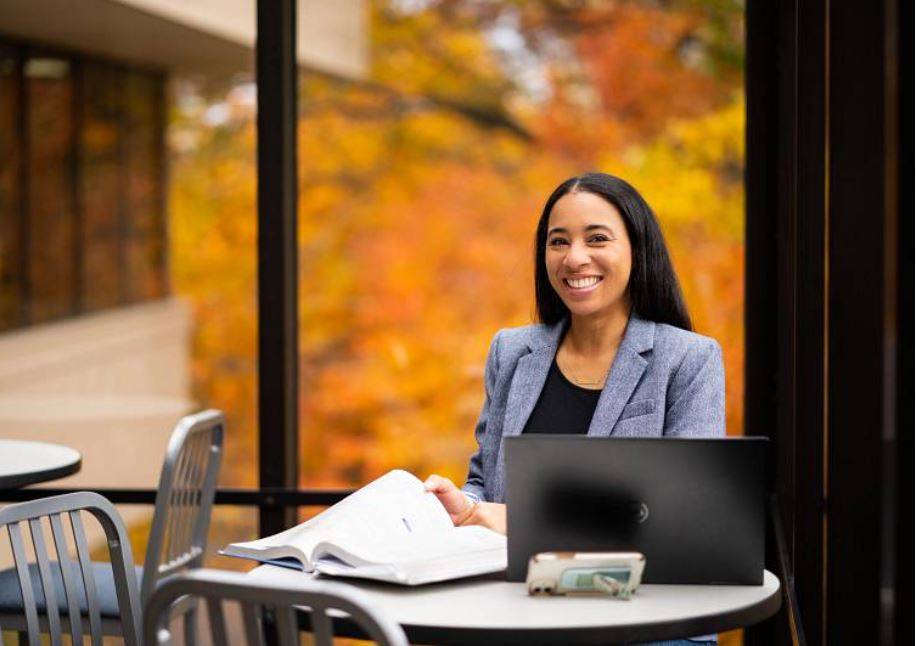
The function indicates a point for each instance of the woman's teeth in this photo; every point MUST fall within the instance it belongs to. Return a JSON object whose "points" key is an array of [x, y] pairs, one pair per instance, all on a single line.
{"points": [[581, 283]]}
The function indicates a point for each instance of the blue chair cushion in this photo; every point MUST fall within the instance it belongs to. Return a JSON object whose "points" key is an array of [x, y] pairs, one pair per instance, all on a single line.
{"points": [[11, 596]]}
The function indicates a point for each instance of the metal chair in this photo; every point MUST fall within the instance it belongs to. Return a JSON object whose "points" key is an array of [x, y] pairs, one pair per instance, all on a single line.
{"points": [[258, 597], [52, 588], [178, 535], [187, 486]]}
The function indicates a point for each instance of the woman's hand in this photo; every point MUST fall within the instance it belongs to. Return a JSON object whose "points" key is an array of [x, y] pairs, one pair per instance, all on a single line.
{"points": [[463, 512], [455, 502]]}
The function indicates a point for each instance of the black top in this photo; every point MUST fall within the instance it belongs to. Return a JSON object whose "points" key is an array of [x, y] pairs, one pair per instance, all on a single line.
{"points": [[563, 407]]}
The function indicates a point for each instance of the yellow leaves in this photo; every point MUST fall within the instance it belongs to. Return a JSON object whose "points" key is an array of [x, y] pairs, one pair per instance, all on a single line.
{"points": [[430, 53], [717, 137], [692, 174]]}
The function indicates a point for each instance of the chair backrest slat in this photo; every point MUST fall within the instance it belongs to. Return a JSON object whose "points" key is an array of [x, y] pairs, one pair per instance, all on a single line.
{"points": [[66, 572], [217, 620], [176, 509], [25, 581], [187, 485], [251, 619], [47, 584], [287, 629], [82, 557], [189, 508], [321, 627], [184, 504], [212, 454], [255, 596]]}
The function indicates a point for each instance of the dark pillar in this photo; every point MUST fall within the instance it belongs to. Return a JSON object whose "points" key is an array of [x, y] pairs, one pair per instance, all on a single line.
{"points": [[863, 273], [278, 319]]}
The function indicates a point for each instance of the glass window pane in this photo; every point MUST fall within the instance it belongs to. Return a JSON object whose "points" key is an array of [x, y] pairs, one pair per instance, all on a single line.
{"points": [[101, 176], [10, 221], [51, 279]]}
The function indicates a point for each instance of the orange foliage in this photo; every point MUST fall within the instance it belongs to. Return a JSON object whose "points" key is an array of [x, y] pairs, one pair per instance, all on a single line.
{"points": [[641, 63]]}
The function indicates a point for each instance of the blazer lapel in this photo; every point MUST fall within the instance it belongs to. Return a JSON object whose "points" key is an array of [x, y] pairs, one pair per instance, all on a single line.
{"points": [[626, 371], [529, 378]]}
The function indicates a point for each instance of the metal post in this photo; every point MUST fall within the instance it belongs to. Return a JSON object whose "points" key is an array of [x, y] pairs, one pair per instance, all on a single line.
{"points": [[810, 305], [769, 213], [278, 351]]}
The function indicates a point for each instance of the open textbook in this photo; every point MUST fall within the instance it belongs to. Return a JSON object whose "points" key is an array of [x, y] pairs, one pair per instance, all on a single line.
{"points": [[391, 530]]}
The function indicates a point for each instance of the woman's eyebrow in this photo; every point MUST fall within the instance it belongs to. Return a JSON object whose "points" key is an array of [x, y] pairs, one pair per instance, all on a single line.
{"points": [[590, 227]]}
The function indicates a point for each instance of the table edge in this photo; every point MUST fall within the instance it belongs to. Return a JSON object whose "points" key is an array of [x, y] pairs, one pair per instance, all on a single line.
{"points": [[675, 629], [34, 477]]}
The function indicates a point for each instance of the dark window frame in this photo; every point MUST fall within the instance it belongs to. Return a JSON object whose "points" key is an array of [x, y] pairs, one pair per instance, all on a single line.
{"points": [[829, 311]]}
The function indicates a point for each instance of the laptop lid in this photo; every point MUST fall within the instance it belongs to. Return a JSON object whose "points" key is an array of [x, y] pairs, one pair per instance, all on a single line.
{"points": [[694, 507]]}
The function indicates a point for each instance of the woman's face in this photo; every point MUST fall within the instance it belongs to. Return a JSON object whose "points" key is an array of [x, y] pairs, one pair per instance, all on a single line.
{"points": [[588, 254]]}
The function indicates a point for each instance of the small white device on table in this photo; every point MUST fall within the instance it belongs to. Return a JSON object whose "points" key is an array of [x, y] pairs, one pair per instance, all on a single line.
{"points": [[613, 573]]}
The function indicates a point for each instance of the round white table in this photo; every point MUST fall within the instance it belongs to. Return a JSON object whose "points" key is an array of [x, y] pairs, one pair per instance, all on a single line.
{"points": [[490, 610], [23, 463]]}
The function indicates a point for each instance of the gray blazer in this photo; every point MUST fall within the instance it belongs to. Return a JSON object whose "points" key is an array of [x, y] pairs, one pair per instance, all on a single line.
{"points": [[664, 382]]}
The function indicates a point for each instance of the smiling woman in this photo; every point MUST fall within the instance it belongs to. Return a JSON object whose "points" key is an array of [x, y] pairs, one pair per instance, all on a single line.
{"points": [[613, 353]]}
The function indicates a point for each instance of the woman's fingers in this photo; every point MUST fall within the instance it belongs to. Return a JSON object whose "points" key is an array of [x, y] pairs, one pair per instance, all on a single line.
{"points": [[448, 494], [438, 484]]}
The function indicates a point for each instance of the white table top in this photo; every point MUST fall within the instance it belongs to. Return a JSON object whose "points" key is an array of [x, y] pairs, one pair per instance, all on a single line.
{"points": [[23, 463], [481, 610]]}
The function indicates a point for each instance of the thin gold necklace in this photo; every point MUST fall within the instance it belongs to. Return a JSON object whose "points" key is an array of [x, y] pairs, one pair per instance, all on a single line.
{"points": [[582, 382], [587, 382]]}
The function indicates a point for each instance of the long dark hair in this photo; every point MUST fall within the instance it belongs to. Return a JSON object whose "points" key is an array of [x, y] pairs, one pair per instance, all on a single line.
{"points": [[654, 290]]}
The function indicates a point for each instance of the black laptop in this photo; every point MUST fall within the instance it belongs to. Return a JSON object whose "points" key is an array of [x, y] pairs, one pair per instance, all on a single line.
{"points": [[694, 507]]}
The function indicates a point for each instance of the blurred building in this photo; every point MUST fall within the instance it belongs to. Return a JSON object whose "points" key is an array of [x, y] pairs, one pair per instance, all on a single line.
{"points": [[94, 349]]}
